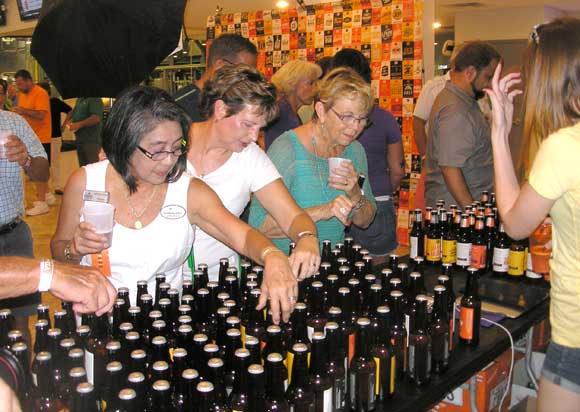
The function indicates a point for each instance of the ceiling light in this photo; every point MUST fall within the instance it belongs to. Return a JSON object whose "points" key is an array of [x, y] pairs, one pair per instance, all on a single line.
{"points": [[282, 4], [436, 25], [435, 44]]}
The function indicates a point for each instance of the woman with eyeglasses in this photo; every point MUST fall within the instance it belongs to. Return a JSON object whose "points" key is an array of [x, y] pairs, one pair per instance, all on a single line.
{"points": [[341, 110], [551, 72], [238, 102], [156, 205]]}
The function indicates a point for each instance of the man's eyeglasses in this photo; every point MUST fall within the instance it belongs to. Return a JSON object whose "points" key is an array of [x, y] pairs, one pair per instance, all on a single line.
{"points": [[163, 154], [351, 119]]}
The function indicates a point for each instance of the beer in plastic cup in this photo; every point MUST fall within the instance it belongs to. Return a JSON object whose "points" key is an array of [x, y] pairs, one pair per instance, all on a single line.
{"points": [[101, 216]]}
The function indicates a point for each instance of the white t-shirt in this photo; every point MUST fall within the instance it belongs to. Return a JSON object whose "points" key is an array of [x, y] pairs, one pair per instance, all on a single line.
{"points": [[428, 94], [242, 174]]}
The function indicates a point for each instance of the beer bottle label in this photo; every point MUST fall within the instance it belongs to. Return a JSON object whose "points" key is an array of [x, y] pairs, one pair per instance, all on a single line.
{"points": [[377, 376], [393, 373], [89, 366], [327, 400], [351, 342], [414, 247], [290, 362], [478, 256], [516, 263], [365, 382], [340, 392], [463, 254], [449, 251], [466, 322], [433, 249], [500, 259]]}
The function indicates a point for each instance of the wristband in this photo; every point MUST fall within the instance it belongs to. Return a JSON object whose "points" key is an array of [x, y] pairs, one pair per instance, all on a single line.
{"points": [[306, 233], [267, 251], [46, 272]]}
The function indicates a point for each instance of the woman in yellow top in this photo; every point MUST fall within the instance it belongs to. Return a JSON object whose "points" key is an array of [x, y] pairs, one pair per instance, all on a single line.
{"points": [[552, 105]]}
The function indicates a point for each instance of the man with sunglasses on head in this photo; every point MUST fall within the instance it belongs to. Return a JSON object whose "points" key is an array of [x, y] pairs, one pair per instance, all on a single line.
{"points": [[226, 49], [459, 163]]}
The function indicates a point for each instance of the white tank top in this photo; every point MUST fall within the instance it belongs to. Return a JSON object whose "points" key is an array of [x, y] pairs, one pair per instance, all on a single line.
{"points": [[160, 247]]}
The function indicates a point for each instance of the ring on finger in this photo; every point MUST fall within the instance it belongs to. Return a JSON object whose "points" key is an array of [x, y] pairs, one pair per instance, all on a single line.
{"points": [[292, 298], [342, 210]]}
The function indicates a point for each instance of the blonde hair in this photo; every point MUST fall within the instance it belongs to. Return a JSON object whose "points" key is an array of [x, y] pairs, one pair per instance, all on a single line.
{"points": [[551, 75], [344, 82], [287, 77]]}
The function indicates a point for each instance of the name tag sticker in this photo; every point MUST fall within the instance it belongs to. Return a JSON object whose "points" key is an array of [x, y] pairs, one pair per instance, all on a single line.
{"points": [[95, 196], [173, 212]]}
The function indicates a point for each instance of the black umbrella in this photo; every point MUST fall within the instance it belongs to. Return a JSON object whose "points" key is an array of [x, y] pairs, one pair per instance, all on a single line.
{"points": [[99, 47]]}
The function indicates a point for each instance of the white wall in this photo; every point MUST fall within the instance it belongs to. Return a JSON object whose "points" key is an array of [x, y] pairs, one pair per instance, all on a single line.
{"points": [[428, 40], [15, 26], [498, 24]]}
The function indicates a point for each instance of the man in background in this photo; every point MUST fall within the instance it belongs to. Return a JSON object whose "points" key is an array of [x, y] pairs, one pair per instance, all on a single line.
{"points": [[34, 106], [226, 49], [459, 162], [86, 122]]}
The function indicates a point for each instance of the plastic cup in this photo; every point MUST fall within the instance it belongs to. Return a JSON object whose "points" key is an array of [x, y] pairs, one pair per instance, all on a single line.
{"points": [[541, 237], [3, 140], [335, 163], [101, 216]]}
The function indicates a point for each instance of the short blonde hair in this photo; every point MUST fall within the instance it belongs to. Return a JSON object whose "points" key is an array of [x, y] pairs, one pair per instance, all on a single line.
{"points": [[287, 77], [344, 82]]}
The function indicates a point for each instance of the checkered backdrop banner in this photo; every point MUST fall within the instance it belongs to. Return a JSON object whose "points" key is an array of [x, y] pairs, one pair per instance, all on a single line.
{"points": [[388, 32]]}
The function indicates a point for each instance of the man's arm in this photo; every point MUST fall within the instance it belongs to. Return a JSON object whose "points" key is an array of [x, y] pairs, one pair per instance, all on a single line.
{"points": [[33, 114], [419, 135], [395, 162], [85, 287], [92, 120], [456, 184], [36, 168]]}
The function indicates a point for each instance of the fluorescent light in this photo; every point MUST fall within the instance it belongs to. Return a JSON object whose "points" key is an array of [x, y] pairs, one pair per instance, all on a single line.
{"points": [[436, 25], [282, 4]]}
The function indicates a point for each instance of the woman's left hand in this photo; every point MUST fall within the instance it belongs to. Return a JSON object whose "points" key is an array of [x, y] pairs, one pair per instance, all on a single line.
{"points": [[279, 286], [305, 259], [346, 179], [502, 94]]}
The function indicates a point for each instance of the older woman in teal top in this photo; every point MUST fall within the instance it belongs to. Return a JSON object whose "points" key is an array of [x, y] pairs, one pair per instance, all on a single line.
{"points": [[342, 106]]}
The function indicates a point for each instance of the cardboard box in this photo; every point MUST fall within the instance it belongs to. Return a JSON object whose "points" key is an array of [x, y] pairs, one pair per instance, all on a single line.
{"points": [[491, 384]]}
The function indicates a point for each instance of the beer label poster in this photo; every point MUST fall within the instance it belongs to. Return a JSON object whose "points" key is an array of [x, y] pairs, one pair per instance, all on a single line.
{"points": [[388, 32]]}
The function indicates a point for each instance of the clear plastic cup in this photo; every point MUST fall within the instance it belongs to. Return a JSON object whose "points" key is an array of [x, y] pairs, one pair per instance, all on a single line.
{"points": [[101, 216], [3, 139], [541, 248], [335, 163]]}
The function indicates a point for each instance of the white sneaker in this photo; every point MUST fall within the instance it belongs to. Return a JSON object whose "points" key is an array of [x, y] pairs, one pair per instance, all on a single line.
{"points": [[50, 199], [39, 208]]}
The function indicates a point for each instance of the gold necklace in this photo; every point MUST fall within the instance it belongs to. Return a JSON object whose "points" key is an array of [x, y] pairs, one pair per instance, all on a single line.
{"points": [[136, 216]]}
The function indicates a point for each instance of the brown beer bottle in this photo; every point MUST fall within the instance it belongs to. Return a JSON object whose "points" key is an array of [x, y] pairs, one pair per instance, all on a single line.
{"points": [[318, 379], [300, 395], [470, 311], [440, 331], [45, 397], [275, 373], [238, 399], [419, 357], [384, 356], [362, 373]]}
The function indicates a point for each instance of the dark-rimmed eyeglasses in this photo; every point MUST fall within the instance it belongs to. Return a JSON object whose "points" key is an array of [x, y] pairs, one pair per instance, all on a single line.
{"points": [[351, 119], [163, 154]]}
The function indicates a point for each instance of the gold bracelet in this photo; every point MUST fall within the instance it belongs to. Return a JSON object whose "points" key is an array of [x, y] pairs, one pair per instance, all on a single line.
{"points": [[267, 251], [305, 234]]}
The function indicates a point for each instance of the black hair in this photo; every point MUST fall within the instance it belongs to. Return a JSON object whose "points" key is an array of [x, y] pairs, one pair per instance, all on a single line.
{"points": [[137, 111], [4, 85], [238, 87], [228, 46], [355, 60], [326, 64], [477, 54], [25, 74]]}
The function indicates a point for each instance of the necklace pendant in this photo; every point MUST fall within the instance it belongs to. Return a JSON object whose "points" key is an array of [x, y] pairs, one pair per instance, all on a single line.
{"points": [[138, 225]]}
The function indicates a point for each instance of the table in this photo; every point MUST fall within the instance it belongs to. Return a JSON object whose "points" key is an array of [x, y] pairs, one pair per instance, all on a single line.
{"points": [[466, 361]]}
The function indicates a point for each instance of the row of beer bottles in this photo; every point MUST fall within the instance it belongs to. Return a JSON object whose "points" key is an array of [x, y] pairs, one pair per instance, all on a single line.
{"points": [[475, 243]]}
